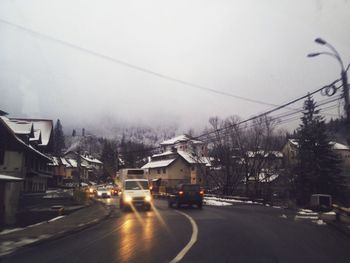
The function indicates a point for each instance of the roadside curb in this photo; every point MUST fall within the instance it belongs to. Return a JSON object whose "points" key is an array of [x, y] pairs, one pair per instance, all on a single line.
{"points": [[64, 233]]}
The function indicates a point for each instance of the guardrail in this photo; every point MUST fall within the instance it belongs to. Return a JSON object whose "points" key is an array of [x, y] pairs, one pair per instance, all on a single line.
{"points": [[342, 214]]}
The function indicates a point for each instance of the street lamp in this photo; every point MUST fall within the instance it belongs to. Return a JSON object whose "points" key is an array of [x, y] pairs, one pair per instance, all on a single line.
{"points": [[344, 76]]}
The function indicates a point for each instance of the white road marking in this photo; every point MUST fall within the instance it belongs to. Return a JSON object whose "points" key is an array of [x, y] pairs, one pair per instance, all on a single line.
{"points": [[193, 239]]}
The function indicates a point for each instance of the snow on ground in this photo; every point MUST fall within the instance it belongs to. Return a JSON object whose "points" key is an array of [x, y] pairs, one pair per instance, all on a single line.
{"points": [[307, 214], [319, 222], [330, 213], [11, 230], [231, 201], [306, 210], [8, 231], [56, 218], [216, 203], [306, 217]]}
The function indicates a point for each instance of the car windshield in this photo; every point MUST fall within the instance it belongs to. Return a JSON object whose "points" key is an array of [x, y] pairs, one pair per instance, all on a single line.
{"points": [[190, 187], [136, 185], [175, 131]]}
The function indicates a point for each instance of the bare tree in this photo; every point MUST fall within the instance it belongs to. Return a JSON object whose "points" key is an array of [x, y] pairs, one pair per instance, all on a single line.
{"points": [[241, 152]]}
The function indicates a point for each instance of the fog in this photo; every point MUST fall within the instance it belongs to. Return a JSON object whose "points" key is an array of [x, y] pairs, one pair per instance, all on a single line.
{"points": [[250, 48]]}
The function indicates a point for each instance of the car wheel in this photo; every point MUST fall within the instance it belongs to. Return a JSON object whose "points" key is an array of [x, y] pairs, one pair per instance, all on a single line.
{"points": [[200, 205]]}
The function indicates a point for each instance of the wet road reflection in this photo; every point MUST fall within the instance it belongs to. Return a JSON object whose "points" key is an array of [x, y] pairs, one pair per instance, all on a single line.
{"points": [[133, 236]]}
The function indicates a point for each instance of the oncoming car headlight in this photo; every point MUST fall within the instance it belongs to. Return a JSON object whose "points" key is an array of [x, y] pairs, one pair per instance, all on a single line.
{"points": [[128, 199], [148, 198]]}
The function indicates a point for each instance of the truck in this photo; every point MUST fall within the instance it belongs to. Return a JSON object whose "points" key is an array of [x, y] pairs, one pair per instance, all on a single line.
{"points": [[135, 189]]}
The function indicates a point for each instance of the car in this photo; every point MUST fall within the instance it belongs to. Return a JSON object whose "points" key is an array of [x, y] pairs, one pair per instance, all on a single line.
{"points": [[186, 194], [113, 189], [103, 192], [135, 193], [91, 190]]}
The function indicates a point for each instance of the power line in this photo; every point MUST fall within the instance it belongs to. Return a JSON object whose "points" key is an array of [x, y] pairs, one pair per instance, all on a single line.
{"points": [[208, 135], [129, 65], [270, 111]]}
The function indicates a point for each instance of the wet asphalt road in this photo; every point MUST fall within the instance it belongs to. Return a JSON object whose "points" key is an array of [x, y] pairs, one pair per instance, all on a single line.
{"points": [[241, 233]]}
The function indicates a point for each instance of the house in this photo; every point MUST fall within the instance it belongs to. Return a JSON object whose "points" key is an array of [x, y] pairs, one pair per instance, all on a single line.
{"points": [[290, 152], [64, 170], [265, 160], [23, 168], [185, 143], [182, 160], [90, 167]]}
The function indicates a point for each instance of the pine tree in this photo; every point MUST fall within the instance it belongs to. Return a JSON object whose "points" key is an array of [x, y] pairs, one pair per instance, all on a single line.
{"points": [[58, 138], [109, 158], [318, 169]]}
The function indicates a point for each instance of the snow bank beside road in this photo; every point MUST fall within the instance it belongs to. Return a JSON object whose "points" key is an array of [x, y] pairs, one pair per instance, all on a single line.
{"points": [[216, 203], [229, 200]]}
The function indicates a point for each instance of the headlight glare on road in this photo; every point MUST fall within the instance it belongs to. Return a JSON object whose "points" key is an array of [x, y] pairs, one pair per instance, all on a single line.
{"points": [[148, 198], [128, 199]]}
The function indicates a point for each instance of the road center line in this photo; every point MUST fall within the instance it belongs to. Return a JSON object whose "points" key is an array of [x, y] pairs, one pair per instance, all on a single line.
{"points": [[193, 239]]}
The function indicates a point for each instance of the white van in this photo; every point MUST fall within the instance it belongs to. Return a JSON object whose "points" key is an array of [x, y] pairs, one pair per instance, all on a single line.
{"points": [[135, 190]]}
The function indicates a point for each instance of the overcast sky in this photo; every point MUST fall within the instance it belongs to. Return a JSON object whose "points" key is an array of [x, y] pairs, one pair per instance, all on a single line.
{"points": [[251, 48]]}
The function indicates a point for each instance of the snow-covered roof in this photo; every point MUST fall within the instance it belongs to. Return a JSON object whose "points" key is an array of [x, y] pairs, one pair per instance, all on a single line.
{"points": [[65, 162], [265, 178], [158, 164], [335, 145], [190, 158], [180, 138], [72, 162], [294, 142], [30, 147], [339, 146], [55, 161], [9, 178], [37, 137], [91, 159], [45, 126], [19, 127], [163, 154]]}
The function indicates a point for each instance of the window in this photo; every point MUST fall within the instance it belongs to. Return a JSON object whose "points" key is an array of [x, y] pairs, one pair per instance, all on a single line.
{"points": [[158, 171], [136, 185], [164, 170]]}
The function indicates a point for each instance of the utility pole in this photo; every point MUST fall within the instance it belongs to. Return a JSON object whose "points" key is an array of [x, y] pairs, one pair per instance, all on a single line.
{"points": [[344, 76]]}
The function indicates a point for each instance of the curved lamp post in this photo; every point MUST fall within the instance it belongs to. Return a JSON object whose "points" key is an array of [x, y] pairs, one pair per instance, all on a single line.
{"points": [[344, 76]]}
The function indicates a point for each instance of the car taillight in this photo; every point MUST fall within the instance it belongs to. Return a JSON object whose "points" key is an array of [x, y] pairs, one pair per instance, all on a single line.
{"points": [[201, 192], [181, 193]]}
